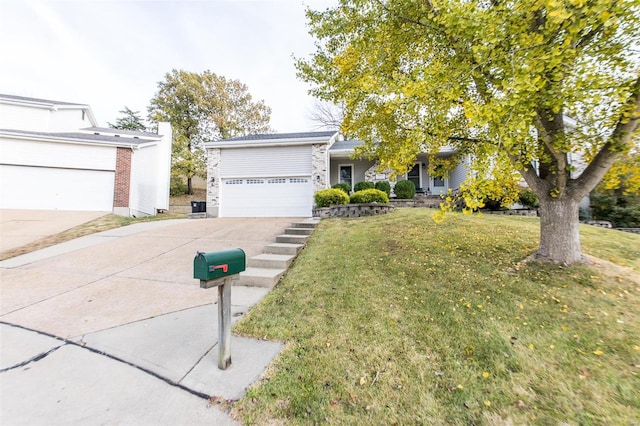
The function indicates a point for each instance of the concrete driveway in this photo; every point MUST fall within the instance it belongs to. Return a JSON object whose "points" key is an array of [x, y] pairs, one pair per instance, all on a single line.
{"points": [[122, 275], [20, 227], [111, 328]]}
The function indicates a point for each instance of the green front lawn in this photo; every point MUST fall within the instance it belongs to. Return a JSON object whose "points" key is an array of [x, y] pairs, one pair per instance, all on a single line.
{"points": [[397, 320]]}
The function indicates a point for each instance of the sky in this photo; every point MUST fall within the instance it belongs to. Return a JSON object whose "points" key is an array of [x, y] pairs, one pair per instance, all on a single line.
{"points": [[112, 53]]}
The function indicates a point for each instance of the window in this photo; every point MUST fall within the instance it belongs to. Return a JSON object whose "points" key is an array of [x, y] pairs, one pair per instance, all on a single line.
{"points": [[346, 174], [298, 180], [438, 182], [414, 175]]}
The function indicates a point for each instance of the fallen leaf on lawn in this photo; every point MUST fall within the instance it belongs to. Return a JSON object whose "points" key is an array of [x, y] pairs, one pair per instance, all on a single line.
{"points": [[584, 373], [598, 352], [363, 380]]}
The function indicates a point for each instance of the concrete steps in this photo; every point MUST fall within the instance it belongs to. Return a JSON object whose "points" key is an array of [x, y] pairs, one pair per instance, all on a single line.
{"points": [[298, 231], [260, 277], [265, 270], [284, 248], [292, 239], [268, 260]]}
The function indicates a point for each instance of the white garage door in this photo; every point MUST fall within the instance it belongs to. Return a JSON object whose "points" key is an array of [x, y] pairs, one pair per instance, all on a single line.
{"points": [[266, 197], [46, 188], [266, 182]]}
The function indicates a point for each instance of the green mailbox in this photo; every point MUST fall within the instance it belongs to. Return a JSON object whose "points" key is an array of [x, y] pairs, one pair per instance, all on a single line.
{"points": [[218, 264]]}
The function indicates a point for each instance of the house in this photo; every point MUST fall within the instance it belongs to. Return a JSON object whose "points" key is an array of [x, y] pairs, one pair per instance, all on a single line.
{"points": [[276, 175], [54, 156]]}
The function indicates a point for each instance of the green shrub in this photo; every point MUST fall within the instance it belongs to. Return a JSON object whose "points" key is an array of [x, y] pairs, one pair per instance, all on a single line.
{"points": [[528, 198], [493, 205], [177, 186], [344, 186], [584, 214], [369, 196], [623, 211], [385, 186], [330, 197], [363, 185], [404, 189]]}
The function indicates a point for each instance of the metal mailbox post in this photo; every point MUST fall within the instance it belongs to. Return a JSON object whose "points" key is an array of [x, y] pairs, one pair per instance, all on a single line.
{"points": [[219, 269]]}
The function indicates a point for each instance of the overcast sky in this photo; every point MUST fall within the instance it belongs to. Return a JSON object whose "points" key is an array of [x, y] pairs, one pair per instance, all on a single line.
{"points": [[112, 53]]}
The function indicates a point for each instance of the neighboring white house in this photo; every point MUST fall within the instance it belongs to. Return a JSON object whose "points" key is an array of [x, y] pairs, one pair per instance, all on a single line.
{"points": [[54, 156], [276, 175]]}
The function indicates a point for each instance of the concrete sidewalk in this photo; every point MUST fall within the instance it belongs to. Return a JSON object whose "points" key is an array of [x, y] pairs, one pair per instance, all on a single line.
{"points": [[112, 328]]}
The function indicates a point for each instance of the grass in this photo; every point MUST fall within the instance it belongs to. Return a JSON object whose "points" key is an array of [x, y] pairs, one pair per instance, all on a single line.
{"points": [[396, 320]]}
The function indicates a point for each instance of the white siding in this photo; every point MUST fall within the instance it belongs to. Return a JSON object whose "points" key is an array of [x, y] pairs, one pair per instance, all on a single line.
{"points": [[42, 119], [458, 175], [142, 198], [63, 155], [69, 120], [266, 162], [17, 117]]}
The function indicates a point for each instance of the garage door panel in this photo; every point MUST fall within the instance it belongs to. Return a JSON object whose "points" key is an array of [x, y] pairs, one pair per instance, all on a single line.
{"points": [[42, 188], [266, 197]]}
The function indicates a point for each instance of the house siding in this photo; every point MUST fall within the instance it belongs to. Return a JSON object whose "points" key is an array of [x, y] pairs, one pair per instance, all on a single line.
{"points": [[360, 168], [265, 162], [458, 175]]}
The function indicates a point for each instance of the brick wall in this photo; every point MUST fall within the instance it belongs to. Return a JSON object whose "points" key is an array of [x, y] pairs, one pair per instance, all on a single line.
{"points": [[123, 178]]}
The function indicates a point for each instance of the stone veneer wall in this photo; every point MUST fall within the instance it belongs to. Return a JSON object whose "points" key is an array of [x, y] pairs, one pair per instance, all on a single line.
{"points": [[319, 167], [521, 212], [213, 182], [352, 210]]}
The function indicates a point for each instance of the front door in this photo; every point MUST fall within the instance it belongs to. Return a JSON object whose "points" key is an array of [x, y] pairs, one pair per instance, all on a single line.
{"points": [[439, 185], [414, 175], [346, 175]]}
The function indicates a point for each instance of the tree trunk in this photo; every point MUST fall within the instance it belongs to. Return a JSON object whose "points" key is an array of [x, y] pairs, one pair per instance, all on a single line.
{"points": [[189, 187], [559, 231]]}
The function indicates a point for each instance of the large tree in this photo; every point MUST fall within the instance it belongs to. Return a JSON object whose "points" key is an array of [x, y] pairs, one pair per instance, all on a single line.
{"points": [[203, 107], [527, 84], [130, 120]]}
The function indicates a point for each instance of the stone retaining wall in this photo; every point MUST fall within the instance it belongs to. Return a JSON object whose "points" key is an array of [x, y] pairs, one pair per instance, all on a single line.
{"points": [[512, 212], [631, 230], [352, 210]]}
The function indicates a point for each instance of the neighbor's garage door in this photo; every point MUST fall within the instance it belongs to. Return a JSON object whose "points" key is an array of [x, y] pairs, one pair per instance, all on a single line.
{"points": [[266, 182], [44, 188]]}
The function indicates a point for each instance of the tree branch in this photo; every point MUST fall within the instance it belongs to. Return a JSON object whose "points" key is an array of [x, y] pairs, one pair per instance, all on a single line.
{"points": [[617, 142]]}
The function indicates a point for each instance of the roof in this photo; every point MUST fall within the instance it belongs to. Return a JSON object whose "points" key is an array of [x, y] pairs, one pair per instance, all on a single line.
{"points": [[345, 145], [39, 101], [273, 136], [111, 130], [81, 137]]}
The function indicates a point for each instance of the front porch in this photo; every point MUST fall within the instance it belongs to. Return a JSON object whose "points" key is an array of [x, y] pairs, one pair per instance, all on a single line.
{"points": [[343, 169]]}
